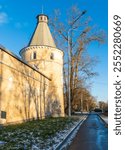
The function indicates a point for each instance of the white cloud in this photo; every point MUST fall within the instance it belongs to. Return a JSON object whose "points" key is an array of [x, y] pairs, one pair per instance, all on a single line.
{"points": [[3, 18]]}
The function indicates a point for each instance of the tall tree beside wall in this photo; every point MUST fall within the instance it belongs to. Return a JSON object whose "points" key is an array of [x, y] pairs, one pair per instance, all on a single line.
{"points": [[75, 34]]}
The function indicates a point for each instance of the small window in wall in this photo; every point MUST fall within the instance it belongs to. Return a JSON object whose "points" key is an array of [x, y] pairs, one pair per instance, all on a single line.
{"points": [[52, 56], [3, 114], [33, 55]]}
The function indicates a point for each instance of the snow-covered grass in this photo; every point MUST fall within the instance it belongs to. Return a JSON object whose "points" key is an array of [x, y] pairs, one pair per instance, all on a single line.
{"points": [[39, 134]]}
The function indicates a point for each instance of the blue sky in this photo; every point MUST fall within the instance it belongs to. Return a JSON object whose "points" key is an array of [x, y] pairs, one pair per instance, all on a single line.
{"points": [[17, 23]]}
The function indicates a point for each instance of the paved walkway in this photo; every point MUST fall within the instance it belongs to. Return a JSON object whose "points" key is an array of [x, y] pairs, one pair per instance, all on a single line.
{"points": [[92, 135]]}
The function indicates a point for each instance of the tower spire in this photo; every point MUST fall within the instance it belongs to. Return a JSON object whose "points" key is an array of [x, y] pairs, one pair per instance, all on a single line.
{"points": [[42, 9], [42, 34]]}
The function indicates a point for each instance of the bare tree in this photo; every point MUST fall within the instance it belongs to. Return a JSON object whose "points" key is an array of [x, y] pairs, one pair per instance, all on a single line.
{"points": [[78, 33], [83, 101], [103, 105]]}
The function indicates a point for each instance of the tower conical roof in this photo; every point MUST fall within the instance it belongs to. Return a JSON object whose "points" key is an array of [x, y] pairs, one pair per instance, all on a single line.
{"points": [[42, 34]]}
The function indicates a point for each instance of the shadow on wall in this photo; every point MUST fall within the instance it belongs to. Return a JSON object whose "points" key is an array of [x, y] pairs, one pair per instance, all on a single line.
{"points": [[22, 90], [53, 106]]}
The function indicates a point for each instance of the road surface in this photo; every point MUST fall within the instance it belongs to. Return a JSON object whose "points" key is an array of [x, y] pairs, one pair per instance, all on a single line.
{"points": [[92, 135]]}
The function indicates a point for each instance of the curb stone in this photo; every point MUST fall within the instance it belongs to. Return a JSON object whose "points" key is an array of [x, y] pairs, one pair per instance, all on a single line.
{"points": [[106, 124], [59, 146]]}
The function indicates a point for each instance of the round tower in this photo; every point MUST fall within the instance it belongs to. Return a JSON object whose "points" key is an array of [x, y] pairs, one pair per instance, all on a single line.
{"points": [[42, 54]]}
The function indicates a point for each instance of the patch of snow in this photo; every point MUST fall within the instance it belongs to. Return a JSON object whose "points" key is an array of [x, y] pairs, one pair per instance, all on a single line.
{"points": [[2, 142], [36, 143], [71, 137], [34, 147], [105, 118], [53, 142]]}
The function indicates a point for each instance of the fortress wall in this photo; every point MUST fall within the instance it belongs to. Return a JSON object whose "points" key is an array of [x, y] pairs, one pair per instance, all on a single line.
{"points": [[22, 90]]}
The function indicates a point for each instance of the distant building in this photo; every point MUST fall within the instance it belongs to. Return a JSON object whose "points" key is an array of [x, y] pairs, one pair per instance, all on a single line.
{"points": [[32, 86]]}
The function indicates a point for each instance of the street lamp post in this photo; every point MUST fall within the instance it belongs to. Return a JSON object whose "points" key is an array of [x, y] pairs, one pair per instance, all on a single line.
{"points": [[69, 56], [69, 109], [69, 101]]}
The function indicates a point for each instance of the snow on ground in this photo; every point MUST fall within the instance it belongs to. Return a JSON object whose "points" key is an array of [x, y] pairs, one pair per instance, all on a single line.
{"points": [[105, 118], [70, 138], [59, 137], [2, 143], [52, 142]]}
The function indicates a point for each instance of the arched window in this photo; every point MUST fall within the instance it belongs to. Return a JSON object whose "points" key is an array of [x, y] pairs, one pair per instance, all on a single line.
{"points": [[52, 56]]}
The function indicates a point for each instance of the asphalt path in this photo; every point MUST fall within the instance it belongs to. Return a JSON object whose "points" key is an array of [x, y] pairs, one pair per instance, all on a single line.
{"points": [[92, 135]]}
